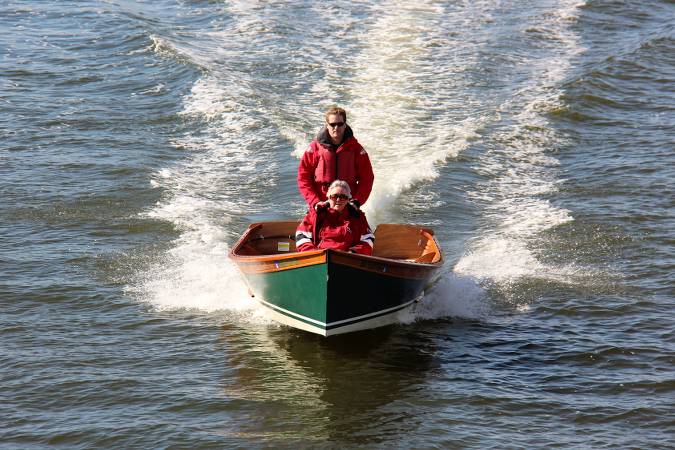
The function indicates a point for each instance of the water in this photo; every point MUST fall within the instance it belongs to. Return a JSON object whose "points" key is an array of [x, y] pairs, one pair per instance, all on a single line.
{"points": [[138, 139]]}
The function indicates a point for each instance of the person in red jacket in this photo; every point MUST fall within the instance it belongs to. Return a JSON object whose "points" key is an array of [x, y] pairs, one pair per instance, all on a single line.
{"points": [[335, 226], [335, 154]]}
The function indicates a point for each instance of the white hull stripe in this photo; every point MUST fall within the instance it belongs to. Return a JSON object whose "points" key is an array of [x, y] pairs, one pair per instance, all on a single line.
{"points": [[332, 324], [290, 313]]}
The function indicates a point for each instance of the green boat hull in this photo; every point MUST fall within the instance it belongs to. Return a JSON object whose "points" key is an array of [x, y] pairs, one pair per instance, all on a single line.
{"points": [[299, 293], [334, 298]]}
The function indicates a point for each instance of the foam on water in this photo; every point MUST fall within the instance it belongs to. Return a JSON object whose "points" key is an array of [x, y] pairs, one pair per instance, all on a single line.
{"points": [[521, 172], [404, 66], [165, 48], [201, 194], [395, 110], [195, 274], [452, 296], [395, 92]]}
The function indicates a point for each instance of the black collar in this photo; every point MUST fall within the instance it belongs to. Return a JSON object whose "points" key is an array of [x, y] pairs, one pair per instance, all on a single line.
{"points": [[323, 137]]}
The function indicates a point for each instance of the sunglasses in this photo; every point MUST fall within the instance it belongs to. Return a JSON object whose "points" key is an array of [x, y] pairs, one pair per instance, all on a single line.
{"points": [[336, 124], [336, 197]]}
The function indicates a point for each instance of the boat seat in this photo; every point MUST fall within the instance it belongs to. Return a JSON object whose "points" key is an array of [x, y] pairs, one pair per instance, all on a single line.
{"points": [[426, 258], [405, 242]]}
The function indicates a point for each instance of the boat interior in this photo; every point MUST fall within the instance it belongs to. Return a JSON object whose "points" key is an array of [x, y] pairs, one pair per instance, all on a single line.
{"points": [[392, 241]]}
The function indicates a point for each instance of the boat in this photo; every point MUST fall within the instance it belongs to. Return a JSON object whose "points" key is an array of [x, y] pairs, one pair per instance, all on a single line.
{"points": [[331, 292]]}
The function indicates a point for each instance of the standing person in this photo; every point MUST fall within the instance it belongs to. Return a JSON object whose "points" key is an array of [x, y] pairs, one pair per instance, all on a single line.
{"points": [[335, 226], [335, 153]]}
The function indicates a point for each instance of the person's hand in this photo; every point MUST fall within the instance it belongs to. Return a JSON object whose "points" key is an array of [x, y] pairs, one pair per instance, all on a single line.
{"points": [[320, 206]]}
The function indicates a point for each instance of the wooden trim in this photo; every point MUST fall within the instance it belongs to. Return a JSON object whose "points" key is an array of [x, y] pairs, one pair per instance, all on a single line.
{"points": [[382, 266], [278, 263]]}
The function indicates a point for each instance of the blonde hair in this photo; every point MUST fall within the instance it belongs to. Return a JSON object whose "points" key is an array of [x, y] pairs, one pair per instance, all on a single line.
{"points": [[340, 184]]}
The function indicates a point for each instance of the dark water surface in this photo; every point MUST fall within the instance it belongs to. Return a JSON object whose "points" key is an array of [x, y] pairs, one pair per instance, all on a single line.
{"points": [[138, 139]]}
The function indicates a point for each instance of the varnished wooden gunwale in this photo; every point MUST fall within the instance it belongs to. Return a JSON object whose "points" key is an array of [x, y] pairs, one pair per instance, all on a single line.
{"points": [[418, 246], [276, 263], [383, 266]]}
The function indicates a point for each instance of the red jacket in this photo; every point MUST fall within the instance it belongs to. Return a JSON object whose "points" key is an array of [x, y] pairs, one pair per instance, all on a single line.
{"points": [[322, 163], [340, 231]]}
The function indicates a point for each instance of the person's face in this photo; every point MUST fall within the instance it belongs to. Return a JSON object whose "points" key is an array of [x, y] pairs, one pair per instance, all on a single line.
{"points": [[336, 127], [338, 198]]}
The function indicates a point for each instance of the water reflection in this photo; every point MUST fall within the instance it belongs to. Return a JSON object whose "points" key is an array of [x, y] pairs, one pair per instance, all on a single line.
{"points": [[341, 388]]}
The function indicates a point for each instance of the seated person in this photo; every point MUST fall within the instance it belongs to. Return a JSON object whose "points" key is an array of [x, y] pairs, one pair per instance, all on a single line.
{"points": [[335, 225]]}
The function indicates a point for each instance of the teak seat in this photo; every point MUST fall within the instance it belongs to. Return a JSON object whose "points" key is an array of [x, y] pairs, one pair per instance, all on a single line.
{"points": [[407, 242]]}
